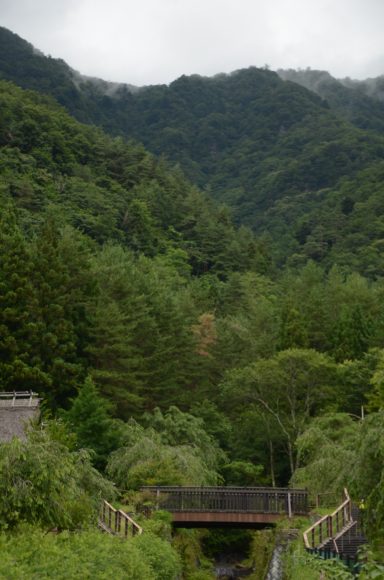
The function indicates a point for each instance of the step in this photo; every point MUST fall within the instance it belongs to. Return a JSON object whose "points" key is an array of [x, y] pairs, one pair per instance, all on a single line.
{"points": [[104, 527]]}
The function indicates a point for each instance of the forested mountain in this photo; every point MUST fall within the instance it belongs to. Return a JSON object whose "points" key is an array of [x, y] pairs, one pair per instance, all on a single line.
{"points": [[29, 68], [177, 347], [360, 102], [58, 173], [276, 153], [128, 273]]}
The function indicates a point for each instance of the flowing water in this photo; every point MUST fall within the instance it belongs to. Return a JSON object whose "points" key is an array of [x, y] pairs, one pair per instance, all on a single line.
{"points": [[228, 567]]}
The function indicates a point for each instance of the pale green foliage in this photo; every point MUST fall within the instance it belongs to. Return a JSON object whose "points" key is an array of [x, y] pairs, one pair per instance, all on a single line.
{"points": [[160, 522], [367, 473], [159, 554], [180, 452], [33, 554], [372, 567], [336, 451], [327, 451], [178, 428], [42, 481]]}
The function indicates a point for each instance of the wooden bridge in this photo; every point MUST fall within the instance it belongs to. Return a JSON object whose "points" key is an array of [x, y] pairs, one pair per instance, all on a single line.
{"points": [[228, 506]]}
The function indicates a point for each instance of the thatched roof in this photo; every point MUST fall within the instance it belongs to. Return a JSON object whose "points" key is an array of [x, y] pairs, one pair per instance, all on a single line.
{"points": [[17, 409]]}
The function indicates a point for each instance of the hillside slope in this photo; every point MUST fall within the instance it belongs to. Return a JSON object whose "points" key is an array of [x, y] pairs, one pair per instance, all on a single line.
{"points": [[285, 159], [360, 102], [52, 165]]}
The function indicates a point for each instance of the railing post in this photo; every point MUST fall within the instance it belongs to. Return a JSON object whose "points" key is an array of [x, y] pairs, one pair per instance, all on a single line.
{"points": [[289, 505], [109, 518]]}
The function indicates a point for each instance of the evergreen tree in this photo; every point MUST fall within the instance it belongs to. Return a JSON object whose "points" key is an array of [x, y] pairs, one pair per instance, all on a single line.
{"points": [[118, 318], [352, 334], [19, 328], [89, 418], [57, 351]]}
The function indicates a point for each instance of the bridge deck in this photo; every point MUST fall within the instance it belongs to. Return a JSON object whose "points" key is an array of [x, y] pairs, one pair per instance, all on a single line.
{"points": [[195, 506]]}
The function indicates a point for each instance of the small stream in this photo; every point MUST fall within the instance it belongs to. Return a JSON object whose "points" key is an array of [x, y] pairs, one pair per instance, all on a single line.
{"points": [[232, 572], [228, 567], [275, 571], [228, 564]]}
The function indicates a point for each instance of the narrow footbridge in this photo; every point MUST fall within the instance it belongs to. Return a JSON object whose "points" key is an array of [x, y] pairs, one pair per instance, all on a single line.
{"points": [[231, 506]]}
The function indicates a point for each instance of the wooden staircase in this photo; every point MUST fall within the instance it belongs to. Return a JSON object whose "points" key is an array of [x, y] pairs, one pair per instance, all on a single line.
{"points": [[117, 522], [338, 535]]}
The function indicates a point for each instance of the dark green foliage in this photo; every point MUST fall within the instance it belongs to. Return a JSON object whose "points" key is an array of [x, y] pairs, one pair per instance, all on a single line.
{"points": [[57, 304], [285, 390], [297, 169], [108, 189], [89, 418], [351, 336], [233, 542], [113, 266], [350, 100], [142, 349], [19, 324], [243, 473]]}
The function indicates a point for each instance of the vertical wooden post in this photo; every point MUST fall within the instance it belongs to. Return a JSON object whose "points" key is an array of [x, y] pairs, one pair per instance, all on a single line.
{"points": [[289, 505]]}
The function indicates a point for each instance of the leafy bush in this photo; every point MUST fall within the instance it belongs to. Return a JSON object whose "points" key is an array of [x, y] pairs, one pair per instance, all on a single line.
{"points": [[42, 481], [33, 554], [159, 554]]}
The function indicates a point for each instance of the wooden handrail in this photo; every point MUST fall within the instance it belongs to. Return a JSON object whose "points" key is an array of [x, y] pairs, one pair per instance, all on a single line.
{"points": [[329, 526], [117, 522]]}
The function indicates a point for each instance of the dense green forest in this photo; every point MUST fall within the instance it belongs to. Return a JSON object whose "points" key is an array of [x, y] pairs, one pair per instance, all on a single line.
{"points": [[279, 155], [360, 102], [171, 344]]}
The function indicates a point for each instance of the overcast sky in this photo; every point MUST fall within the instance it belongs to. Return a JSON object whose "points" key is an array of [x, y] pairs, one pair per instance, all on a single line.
{"points": [[155, 41]]}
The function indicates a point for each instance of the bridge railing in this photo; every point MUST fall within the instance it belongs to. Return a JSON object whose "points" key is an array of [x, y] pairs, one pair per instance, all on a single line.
{"points": [[117, 522], [329, 526], [230, 499]]}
